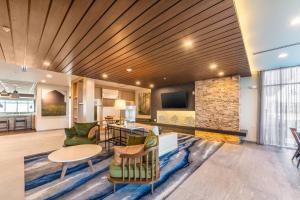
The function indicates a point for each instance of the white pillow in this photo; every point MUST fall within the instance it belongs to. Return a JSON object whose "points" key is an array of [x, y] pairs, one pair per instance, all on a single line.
{"points": [[155, 130]]}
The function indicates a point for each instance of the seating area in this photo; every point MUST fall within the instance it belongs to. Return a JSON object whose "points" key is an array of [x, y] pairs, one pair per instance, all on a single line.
{"points": [[149, 99]]}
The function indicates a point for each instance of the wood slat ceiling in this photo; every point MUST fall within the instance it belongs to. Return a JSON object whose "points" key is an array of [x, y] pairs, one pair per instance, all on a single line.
{"points": [[92, 37]]}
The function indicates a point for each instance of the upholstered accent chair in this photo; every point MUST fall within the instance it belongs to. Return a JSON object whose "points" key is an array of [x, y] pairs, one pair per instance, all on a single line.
{"points": [[82, 133], [136, 163]]}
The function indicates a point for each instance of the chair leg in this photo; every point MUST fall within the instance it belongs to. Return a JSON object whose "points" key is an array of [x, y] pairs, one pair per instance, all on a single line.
{"points": [[298, 163], [152, 189], [297, 153], [114, 190]]}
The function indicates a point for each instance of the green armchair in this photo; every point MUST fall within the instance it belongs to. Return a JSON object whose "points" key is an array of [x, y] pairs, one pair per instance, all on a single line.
{"points": [[137, 163], [82, 133]]}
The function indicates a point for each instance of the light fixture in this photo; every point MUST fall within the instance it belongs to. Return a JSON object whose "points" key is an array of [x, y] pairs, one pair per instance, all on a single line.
{"points": [[104, 76], [4, 93], [151, 85], [221, 73], [49, 76], [43, 81], [165, 78], [138, 82], [129, 70], [295, 21], [5, 29], [188, 43], [24, 68], [213, 66], [283, 55], [46, 63], [15, 94]]}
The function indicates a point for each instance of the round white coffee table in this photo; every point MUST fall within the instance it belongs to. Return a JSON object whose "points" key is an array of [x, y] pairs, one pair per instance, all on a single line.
{"points": [[76, 153]]}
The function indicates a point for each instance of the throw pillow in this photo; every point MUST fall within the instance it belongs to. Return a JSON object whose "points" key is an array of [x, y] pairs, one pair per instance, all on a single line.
{"points": [[92, 132], [83, 129], [151, 140], [70, 132], [135, 139]]}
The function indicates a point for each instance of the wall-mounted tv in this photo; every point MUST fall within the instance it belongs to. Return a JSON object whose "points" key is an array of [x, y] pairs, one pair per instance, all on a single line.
{"points": [[174, 100]]}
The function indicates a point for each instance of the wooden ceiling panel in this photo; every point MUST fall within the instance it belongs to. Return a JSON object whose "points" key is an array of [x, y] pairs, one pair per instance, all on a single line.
{"points": [[58, 10], [107, 20], [122, 22], [37, 18], [19, 12], [129, 33], [170, 40], [168, 50], [147, 32], [74, 16], [172, 29], [6, 37], [92, 37], [89, 21]]}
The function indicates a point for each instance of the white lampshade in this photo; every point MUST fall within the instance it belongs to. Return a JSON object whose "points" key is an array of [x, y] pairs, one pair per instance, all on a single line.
{"points": [[120, 104]]}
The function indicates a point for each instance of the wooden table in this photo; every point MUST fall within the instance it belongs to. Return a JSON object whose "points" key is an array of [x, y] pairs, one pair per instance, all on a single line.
{"points": [[72, 154]]}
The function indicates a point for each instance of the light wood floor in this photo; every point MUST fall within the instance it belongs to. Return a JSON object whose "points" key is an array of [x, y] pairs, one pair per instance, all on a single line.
{"points": [[245, 171]]}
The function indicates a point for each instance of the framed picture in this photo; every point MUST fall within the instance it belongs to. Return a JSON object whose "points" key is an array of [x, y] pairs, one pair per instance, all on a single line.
{"points": [[54, 102]]}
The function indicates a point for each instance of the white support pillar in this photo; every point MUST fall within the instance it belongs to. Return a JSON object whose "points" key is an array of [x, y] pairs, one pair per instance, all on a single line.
{"points": [[88, 99]]}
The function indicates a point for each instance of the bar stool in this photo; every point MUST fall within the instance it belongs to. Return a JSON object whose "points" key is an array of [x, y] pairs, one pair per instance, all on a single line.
{"points": [[20, 123], [4, 125]]}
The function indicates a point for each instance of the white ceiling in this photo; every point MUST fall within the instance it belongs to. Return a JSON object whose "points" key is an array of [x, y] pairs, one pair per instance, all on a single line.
{"points": [[32, 75], [21, 86], [12, 76], [265, 26]]}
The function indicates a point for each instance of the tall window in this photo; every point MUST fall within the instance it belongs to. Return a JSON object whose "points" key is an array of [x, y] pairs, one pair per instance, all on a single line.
{"points": [[280, 106], [16, 106]]}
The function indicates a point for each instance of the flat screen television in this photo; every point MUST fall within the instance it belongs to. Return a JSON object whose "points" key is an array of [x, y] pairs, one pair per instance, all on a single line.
{"points": [[174, 100]]}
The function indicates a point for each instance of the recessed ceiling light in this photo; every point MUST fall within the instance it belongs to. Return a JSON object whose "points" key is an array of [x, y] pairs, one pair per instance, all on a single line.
{"points": [[5, 29], [129, 70], [43, 81], [295, 21], [138, 82], [46, 63], [49, 76], [213, 66], [188, 43], [151, 85], [221, 73], [104, 75], [283, 55], [165, 78]]}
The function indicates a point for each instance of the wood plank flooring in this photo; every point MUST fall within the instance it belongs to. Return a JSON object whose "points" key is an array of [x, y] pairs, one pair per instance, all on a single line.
{"points": [[247, 171]]}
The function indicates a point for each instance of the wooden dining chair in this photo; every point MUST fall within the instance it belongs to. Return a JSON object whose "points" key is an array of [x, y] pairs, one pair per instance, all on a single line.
{"points": [[296, 136]]}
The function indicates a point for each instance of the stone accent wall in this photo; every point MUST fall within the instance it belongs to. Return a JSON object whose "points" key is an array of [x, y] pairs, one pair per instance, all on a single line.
{"points": [[217, 103]]}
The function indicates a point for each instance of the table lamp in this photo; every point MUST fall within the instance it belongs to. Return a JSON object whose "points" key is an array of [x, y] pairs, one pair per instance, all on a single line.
{"points": [[120, 104]]}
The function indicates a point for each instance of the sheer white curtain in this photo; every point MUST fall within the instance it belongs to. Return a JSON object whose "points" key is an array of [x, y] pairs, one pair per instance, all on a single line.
{"points": [[280, 106]]}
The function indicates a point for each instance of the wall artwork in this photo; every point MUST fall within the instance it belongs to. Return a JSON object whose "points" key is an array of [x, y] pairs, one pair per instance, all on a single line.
{"points": [[54, 103], [144, 103]]}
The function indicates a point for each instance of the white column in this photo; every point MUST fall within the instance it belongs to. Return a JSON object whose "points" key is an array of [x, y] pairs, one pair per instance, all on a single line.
{"points": [[88, 99]]}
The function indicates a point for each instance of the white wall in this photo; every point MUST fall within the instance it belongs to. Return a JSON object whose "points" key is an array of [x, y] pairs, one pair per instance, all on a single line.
{"points": [[55, 122], [249, 107]]}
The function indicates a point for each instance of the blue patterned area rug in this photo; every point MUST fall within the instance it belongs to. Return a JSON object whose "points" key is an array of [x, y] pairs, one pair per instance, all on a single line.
{"points": [[42, 177]]}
